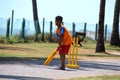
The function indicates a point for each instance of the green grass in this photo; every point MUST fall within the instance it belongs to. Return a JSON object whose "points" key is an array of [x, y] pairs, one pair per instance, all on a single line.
{"points": [[90, 44], [42, 51], [112, 77], [99, 55], [26, 51]]}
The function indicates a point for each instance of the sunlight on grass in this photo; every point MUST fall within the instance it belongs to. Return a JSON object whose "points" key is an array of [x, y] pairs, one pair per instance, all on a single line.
{"points": [[112, 77], [36, 50], [43, 50]]}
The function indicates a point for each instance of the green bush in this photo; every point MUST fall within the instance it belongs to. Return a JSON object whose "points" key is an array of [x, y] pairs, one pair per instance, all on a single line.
{"points": [[1, 39], [9, 40], [28, 38]]}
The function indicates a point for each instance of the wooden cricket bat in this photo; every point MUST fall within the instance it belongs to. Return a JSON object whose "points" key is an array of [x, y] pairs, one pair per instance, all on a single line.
{"points": [[51, 56]]}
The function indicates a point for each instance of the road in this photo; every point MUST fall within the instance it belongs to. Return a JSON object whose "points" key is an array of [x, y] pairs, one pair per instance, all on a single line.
{"points": [[35, 70]]}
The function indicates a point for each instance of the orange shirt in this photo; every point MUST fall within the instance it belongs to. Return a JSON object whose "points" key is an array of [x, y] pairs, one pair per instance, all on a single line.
{"points": [[67, 38]]}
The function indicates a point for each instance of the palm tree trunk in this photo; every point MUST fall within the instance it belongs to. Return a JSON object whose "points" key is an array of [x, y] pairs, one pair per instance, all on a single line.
{"points": [[115, 32], [100, 40], [36, 21]]}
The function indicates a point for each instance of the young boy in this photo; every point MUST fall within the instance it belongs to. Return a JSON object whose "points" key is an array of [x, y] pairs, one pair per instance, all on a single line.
{"points": [[64, 40]]}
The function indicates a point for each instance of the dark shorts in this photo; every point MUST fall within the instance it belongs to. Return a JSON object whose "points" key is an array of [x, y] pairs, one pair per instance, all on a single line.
{"points": [[64, 49]]}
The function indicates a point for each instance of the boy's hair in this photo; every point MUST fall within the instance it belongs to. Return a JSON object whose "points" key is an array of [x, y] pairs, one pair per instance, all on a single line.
{"points": [[59, 18]]}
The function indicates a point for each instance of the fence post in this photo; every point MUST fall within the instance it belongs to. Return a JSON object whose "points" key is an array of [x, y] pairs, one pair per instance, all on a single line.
{"points": [[12, 22], [8, 28], [23, 29], [85, 25], [50, 36], [105, 32], [43, 29], [73, 29], [96, 31], [62, 23]]}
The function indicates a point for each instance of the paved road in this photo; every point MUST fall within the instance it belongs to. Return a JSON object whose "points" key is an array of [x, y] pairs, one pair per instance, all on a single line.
{"points": [[35, 70]]}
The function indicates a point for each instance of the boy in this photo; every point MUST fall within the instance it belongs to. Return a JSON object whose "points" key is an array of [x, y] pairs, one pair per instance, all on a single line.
{"points": [[64, 40]]}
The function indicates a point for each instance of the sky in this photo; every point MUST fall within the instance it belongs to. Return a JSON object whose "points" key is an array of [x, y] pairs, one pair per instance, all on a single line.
{"points": [[71, 10]]}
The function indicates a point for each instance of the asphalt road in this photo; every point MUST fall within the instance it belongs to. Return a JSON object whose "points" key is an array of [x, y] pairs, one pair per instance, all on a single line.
{"points": [[35, 70]]}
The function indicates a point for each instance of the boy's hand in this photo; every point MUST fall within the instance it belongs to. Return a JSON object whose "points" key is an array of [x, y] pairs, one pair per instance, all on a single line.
{"points": [[58, 47]]}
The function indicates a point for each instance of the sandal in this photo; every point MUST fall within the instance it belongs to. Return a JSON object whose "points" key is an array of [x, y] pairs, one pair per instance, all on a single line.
{"points": [[60, 68]]}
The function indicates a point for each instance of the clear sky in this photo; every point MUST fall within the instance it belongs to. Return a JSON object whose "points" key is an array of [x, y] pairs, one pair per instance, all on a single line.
{"points": [[71, 10]]}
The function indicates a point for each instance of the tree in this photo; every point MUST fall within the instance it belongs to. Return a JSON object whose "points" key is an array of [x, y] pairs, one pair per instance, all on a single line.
{"points": [[115, 31], [36, 21], [100, 47]]}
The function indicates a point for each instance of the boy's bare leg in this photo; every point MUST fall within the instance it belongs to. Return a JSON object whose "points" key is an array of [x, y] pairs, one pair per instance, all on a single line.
{"points": [[62, 58]]}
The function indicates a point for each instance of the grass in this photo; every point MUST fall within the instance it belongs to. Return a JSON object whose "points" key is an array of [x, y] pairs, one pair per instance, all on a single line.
{"points": [[32, 50], [42, 51], [112, 77]]}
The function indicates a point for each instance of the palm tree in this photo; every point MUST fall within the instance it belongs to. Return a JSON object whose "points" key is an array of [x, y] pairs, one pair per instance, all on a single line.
{"points": [[115, 31], [36, 21], [100, 40]]}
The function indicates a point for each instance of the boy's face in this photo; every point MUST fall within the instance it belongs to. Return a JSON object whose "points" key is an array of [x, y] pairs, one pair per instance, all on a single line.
{"points": [[58, 23]]}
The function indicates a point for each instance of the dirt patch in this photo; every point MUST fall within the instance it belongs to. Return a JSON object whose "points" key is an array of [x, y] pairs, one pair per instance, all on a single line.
{"points": [[16, 48], [86, 51], [114, 53]]}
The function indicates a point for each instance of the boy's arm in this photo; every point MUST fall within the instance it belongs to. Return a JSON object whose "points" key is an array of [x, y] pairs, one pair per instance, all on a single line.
{"points": [[58, 38], [62, 30], [61, 37], [60, 41]]}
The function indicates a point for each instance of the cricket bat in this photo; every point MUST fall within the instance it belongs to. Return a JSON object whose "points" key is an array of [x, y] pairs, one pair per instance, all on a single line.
{"points": [[51, 56]]}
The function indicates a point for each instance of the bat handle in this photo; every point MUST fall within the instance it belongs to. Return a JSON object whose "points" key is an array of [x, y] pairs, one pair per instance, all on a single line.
{"points": [[58, 47]]}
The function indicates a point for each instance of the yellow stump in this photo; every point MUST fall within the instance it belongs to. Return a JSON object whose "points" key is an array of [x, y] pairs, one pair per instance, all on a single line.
{"points": [[69, 56], [73, 54]]}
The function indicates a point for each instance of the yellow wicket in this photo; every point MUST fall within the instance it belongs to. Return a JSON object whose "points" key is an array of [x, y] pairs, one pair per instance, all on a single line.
{"points": [[73, 55]]}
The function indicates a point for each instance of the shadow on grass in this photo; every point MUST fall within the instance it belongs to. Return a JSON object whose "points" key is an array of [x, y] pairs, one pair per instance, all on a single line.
{"points": [[106, 54], [16, 48], [102, 55], [22, 58]]}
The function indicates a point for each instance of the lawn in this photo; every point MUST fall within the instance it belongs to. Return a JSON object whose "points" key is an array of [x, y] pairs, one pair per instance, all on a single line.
{"points": [[26, 51], [42, 51], [112, 77]]}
